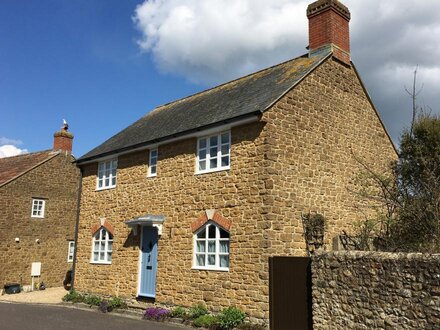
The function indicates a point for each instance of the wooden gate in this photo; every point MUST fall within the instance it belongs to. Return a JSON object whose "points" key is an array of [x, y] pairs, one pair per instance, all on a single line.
{"points": [[290, 293]]}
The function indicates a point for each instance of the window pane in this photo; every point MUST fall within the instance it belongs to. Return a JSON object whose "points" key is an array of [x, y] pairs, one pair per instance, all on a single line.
{"points": [[202, 234], [202, 143], [211, 259], [200, 246], [153, 153], [211, 231], [95, 256], [109, 256], [202, 154], [153, 169], [114, 181], [213, 152], [225, 149], [100, 183], [200, 259], [202, 165], [96, 247], [107, 182], [224, 246], [101, 256], [103, 233], [213, 141], [213, 163], [211, 246], [110, 246], [225, 161], [224, 233], [225, 138], [224, 261]]}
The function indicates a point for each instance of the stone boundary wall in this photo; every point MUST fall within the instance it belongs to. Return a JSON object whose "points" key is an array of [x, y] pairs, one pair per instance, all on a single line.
{"points": [[376, 290]]}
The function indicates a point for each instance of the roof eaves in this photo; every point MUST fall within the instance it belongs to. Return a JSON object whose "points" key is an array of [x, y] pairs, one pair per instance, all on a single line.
{"points": [[56, 153], [139, 146]]}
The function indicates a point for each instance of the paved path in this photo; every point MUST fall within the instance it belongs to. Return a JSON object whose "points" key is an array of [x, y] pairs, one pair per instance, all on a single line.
{"points": [[15, 316]]}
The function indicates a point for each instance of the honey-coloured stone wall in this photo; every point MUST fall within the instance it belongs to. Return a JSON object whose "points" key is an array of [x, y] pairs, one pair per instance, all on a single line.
{"points": [[298, 157], [56, 181]]}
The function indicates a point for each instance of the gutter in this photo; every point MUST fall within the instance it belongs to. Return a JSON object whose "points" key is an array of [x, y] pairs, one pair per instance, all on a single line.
{"points": [[242, 119]]}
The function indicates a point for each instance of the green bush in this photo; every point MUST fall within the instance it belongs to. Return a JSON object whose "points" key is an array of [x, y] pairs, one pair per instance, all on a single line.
{"points": [[231, 317], [116, 302], [205, 321], [92, 300], [179, 312], [197, 310], [73, 296]]}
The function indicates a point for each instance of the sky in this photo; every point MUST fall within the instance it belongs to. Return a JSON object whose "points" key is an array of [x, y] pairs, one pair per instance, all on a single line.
{"points": [[103, 64]]}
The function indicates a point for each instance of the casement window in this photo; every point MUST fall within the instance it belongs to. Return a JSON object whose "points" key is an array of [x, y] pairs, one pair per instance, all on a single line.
{"points": [[38, 206], [152, 164], [70, 251], [102, 247], [107, 174], [213, 153], [211, 248]]}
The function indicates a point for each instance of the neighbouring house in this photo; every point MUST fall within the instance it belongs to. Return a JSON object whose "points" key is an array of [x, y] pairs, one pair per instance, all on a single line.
{"points": [[38, 203], [187, 204]]}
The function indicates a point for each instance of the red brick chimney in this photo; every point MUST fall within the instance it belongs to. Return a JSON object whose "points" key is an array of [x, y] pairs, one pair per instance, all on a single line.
{"points": [[62, 140], [328, 28]]}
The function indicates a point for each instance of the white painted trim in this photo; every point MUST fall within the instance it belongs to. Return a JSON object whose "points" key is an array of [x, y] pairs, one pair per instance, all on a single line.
{"points": [[43, 208], [110, 186], [218, 134], [68, 250], [218, 269], [200, 133], [139, 263], [149, 174]]}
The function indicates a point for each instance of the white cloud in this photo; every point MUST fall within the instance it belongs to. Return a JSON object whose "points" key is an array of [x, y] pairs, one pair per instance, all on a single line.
{"points": [[9, 150], [214, 41], [8, 147], [4, 140]]}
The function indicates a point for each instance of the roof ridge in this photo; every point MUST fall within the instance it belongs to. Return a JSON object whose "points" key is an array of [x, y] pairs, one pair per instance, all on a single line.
{"points": [[159, 107], [27, 154]]}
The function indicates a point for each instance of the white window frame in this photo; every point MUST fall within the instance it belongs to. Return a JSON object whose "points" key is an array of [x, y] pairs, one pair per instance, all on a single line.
{"points": [[206, 253], [218, 155], [152, 162], [39, 211], [106, 250], [107, 170], [70, 251]]}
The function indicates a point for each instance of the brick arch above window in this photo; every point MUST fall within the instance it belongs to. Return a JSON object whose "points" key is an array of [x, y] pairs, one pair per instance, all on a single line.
{"points": [[102, 223], [211, 215]]}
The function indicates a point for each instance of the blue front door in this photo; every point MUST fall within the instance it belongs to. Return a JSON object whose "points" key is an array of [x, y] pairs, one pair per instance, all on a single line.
{"points": [[148, 262]]}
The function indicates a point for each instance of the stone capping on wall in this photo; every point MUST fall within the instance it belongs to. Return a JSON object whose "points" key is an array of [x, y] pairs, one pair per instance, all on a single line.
{"points": [[375, 290], [211, 215], [102, 223]]}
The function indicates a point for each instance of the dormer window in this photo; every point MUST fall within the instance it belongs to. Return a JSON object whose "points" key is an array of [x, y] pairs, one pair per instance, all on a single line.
{"points": [[106, 174], [213, 153]]}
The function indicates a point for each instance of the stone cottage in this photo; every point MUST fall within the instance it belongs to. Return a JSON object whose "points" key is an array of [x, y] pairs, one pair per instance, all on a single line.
{"points": [[38, 203], [187, 204]]}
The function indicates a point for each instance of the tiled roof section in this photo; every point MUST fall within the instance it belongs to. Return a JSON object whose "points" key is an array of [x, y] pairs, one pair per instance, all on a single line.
{"points": [[12, 167], [247, 95]]}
